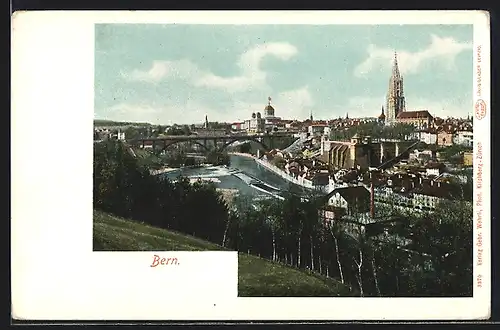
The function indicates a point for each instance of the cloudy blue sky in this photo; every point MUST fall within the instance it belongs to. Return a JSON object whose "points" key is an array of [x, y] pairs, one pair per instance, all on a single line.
{"points": [[165, 74]]}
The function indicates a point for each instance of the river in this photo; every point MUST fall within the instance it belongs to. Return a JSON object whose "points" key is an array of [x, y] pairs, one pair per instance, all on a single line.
{"points": [[242, 174]]}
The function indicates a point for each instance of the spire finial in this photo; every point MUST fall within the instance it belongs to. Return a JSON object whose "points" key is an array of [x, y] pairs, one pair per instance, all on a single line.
{"points": [[395, 67], [269, 100]]}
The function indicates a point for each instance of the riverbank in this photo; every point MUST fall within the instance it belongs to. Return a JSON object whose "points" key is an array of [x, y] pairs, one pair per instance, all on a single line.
{"points": [[304, 183], [241, 155], [163, 170], [173, 169]]}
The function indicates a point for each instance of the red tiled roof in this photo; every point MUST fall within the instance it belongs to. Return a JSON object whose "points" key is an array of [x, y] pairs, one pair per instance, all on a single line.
{"points": [[414, 114]]}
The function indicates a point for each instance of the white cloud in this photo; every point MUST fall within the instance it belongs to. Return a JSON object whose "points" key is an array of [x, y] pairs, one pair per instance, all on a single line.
{"points": [[251, 76], [160, 70], [295, 104], [250, 61], [292, 104], [444, 49]]}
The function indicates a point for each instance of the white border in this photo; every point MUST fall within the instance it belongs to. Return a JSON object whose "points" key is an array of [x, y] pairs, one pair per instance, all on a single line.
{"points": [[55, 274]]}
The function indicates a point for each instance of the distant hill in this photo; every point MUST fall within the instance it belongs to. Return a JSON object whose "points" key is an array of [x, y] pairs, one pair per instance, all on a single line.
{"points": [[256, 276], [104, 122]]}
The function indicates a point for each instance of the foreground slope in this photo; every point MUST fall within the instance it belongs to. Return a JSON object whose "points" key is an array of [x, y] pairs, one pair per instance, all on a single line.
{"points": [[256, 276]]}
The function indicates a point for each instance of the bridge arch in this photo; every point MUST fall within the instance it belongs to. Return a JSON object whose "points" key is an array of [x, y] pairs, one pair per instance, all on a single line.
{"points": [[231, 141], [168, 145]]}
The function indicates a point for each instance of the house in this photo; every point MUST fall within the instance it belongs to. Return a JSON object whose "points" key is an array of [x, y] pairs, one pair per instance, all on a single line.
{"points": [[468, 158], [428, 136], [331, 213], [416, 193], [317, 129], [148, 144], [121, 136], [327, 130], [354, 200], [422, 156], [320, 178], [429, 195], [421, 119], [238, 126], [434, 169], [464, 138], [293, 168], [444, 138]]}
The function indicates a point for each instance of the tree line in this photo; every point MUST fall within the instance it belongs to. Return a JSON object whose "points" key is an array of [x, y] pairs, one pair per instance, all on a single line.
{"points": [[401, 255]]}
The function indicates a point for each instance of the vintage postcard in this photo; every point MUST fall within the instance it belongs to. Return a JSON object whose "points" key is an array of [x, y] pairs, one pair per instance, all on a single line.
{"points": [[251, 165]]}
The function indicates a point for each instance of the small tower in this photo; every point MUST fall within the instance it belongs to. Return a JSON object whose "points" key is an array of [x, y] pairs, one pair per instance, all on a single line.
{"points": [[356, 139], [311, 116], [381, 118], [347, 115], [206, 122], [354, 150], [269, 110]]}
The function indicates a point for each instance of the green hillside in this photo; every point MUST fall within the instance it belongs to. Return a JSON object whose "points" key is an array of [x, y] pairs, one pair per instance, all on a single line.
{"points": [[256, 276]]}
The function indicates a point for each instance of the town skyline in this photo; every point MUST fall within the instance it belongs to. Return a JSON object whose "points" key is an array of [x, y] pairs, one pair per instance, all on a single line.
{"points": [[229, 72]]}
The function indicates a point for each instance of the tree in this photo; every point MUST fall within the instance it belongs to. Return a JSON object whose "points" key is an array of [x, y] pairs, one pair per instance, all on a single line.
{"points": [[132, 133], [218, 158], [272, 210], [178, 130], [335, 228]]}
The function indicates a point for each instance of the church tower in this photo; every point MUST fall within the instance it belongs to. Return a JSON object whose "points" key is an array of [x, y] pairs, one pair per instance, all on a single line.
{"points": [[395, 95]]}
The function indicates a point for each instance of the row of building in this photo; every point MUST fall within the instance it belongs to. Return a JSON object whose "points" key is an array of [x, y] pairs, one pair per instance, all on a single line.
{"points": [[410, 188], [108, 133]]}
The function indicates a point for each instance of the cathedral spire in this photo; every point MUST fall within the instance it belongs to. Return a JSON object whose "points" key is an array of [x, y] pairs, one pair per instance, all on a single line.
{"points": [[395, 94], [206, 121], [311, 116]]}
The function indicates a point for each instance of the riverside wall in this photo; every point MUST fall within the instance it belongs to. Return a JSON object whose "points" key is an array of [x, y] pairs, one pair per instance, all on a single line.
{"points": [[278, 171]]}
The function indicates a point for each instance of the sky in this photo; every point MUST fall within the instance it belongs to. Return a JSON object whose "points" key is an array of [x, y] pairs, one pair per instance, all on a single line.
{"points": [[166, 74]]}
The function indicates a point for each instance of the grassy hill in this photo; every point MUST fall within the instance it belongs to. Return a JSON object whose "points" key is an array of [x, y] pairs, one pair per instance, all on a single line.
{"points": [[256, 276]]}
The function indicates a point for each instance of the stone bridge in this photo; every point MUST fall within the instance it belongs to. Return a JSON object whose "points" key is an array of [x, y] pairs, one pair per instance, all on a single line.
{"points": [[209, 143]]}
